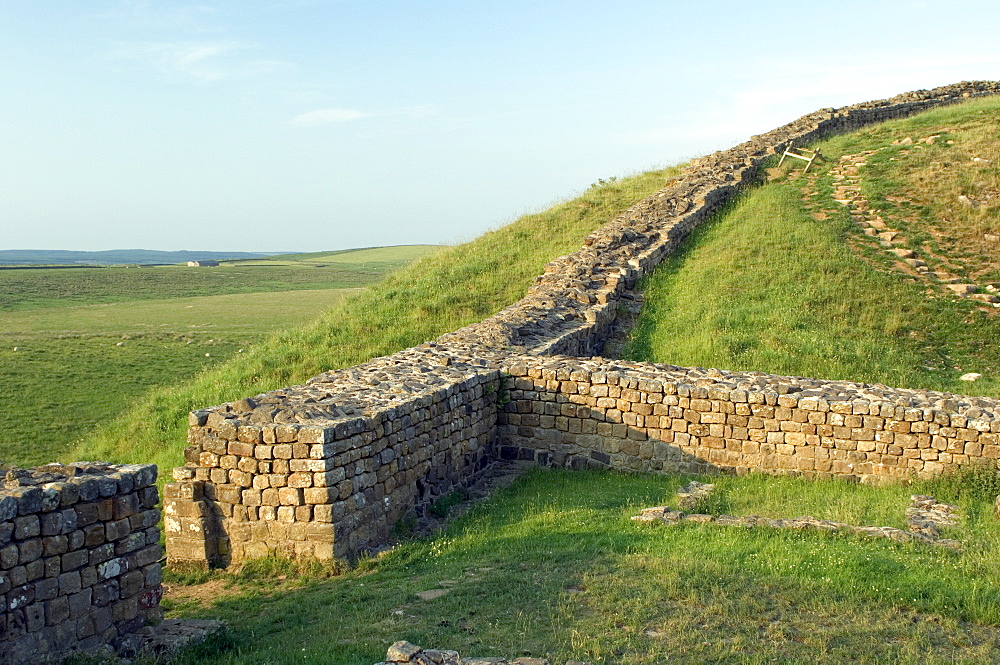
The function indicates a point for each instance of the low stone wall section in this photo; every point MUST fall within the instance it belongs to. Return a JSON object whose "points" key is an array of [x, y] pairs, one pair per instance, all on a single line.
{"points": [[79, 558], [327, 468], [320, 485], [580, 413]]}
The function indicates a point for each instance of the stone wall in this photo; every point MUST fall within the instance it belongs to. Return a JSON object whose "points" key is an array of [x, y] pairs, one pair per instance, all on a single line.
{"points": [[327, 468], [330, 469], [79, 558], [580, 413]]}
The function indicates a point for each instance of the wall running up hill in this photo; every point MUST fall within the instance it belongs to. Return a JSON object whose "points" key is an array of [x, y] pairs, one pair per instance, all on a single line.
{"points": [[326, 469]]}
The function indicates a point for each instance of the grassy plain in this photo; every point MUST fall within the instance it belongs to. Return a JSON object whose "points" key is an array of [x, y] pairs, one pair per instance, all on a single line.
{"points": [[33, 288], [77, 366], [554, 568], [393, 255], [454, 287]]}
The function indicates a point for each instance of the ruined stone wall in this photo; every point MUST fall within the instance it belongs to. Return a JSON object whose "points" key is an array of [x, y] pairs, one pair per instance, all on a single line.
{"points": [[573, 305], [79, 558], [360, 447], [356, 451], [581, 413]]}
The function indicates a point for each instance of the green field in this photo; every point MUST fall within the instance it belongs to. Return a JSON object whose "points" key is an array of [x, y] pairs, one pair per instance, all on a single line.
{"points": [[454, 287], [68, 367], [33, 288], [375, 256], [248, 314]]}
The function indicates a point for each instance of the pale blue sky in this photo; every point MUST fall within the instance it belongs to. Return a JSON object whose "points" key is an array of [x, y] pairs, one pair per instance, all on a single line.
{"points": [[307, 125]]}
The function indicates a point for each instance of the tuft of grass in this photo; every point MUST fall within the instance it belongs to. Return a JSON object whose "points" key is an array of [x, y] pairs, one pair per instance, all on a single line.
{"points": [[438, 294], [967, 484], [265, 570], [442, 506], [185, 575]]}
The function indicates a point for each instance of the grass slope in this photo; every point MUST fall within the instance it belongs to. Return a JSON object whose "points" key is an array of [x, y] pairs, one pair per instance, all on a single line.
{"points": [[440, 293], [768, 287], [554, 568], [66, 368], [945, 195]]}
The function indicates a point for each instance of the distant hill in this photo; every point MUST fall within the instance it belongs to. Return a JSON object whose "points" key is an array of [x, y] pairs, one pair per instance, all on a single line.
{"points": [[115, 256]]}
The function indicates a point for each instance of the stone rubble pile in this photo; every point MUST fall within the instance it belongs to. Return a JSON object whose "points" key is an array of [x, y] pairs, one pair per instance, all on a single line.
{"points": [[411, 654], [693, 493], [925, 517], [165, 640]]}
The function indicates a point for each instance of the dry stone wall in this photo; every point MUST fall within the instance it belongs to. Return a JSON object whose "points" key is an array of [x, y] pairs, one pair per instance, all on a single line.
{"points": [[79, 558], [327, 468], [579, 413], [351, 454]]}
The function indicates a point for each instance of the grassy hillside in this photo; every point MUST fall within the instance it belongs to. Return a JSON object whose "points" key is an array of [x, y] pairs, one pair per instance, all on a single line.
{"points": [[937, 179], [783, 282], [553, 567], [440, 293], [68, 367]]}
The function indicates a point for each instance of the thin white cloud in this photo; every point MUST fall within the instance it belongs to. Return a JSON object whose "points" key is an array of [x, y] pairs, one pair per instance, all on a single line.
{"points": [[776, 91], [326, 117], [849, 82], [191, 18], [204, 62]]}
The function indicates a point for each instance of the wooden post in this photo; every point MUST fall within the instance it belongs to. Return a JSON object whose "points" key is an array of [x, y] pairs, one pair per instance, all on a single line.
{"points": [[808, 158]]}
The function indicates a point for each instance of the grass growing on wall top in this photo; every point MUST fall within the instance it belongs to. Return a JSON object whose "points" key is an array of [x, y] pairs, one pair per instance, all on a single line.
{"points": [[452, 288]]}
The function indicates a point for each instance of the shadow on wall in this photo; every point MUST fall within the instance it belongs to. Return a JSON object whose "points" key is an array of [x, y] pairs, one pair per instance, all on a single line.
{"points": [[579, 413]]}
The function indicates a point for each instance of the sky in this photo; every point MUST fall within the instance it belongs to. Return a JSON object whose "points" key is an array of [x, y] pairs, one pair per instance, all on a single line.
{"points": [[310, 125]]}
